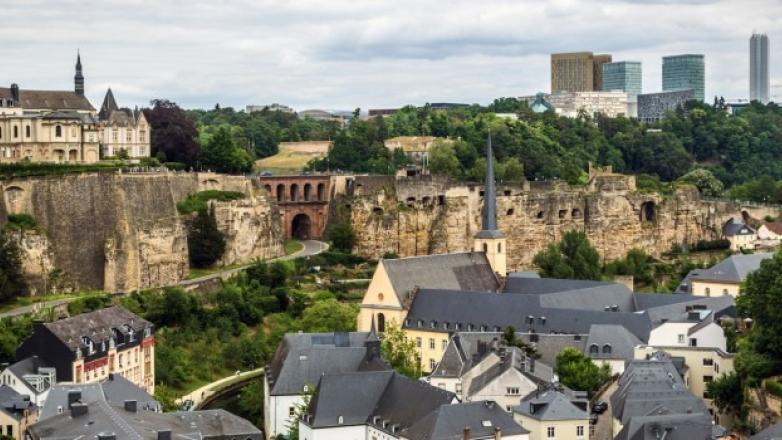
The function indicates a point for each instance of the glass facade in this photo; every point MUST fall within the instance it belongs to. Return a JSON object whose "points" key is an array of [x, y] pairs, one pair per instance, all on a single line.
{"points": [[681, 72], [624, 76], [758, 68]]}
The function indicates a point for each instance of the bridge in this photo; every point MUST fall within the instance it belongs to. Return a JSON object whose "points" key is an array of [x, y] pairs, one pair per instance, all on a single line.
{"points": [[212, 391]]}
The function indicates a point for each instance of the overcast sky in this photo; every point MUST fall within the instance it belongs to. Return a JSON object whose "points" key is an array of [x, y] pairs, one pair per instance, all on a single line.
{"points": [[342, 54]]}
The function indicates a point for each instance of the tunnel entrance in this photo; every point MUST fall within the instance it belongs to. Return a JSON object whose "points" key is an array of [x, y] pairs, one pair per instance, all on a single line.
{"points": [[300, 227]]}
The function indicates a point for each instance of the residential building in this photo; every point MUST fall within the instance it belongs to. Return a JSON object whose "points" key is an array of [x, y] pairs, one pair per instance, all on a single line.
{"points": [[699, 331], [483, 420], [115, 391], [725, 277], [651, 392], [87, 348], [683, 72], [123, 130], [415, 147], [490, 240], [577, 71], [48, 125], [652, 107], [322, 115], [771, 231], [612, 345], [572, 104], [552, 414], [625, 76], [31, 377], [298, 364], [17, 412], [270, 108], [740, 235], [758, 68], [703, 365], [102, 420]]}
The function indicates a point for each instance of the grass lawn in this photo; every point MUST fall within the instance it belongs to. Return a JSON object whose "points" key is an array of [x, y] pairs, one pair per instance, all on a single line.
{"points": [[288, 160], [292, 246]]}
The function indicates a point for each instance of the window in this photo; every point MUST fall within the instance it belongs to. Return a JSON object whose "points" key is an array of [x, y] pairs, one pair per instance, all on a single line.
{"points": [[708, 362], [58, 131], [16, 131], [607, 349], [724, 291], [485, 248], [512, 391], [693, 342], [681, 339], [708, 291], [499, 248], [9, 430], [129, 136], [550, 432], [340, 420], [291, 411], [458, 387], [418, 342], [432, 364], [444, 343], [142, 136], [431, 343], [27, 131], [579, 431], [594, 349], [115, 135], [707, 379], [380, 297]]}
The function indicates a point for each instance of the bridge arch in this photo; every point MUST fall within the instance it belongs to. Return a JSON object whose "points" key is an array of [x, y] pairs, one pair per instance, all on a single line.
{"points": [[301, 227]]}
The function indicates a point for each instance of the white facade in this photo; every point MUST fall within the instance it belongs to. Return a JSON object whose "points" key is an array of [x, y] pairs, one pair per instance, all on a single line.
{"points": [[132, 137], [570, 104], [765, 233], [675, 334], [278, 412], [37, 396], [359, 432]]}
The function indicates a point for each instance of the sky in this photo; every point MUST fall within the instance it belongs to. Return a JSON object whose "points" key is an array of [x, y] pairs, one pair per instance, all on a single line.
{"points": [[343, 54]]}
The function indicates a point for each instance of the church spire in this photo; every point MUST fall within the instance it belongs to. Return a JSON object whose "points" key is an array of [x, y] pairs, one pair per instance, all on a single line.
{"points": [[78, 79], [489, 217]]}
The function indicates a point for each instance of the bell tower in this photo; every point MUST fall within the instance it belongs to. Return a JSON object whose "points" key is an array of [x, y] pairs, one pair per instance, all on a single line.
{"points": [[490, 239], [78, 79]]}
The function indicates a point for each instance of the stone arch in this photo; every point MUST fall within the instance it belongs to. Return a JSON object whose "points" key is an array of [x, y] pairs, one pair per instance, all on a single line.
{"points": [[562, 213], [280, 192], [211, 184], [426, 201], [14, 199], [648, 211], [294, 192], [301, 226], [377, 210], [59, 155], [509, 211], [307, 191], [268, 189], [381, 322], [321, 192], [91, 156]]}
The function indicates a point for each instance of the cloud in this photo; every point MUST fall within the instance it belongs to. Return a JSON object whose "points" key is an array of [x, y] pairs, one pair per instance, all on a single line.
{"points": [[347, 54]]}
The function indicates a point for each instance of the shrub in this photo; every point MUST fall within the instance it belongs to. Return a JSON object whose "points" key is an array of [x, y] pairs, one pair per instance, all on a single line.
{"points": [[175, 166], [773, 387], [198, 201], [342, 236], [21, 221], [205, 242], [712, 245], [25, 169]]}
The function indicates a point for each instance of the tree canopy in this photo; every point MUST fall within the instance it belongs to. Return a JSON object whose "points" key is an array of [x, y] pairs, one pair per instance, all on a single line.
{"points": [[578, 372], [573, 257], [174, 133]]}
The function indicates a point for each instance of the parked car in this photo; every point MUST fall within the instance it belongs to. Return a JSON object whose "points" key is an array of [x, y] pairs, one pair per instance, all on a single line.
{"points": [[599, 407]]}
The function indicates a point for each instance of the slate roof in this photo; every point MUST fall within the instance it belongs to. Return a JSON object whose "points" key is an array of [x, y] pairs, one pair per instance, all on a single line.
{"points": [[13, 403], [96, 325], [773, 432], [621, 341], [359, 397], [104, 418], [674, 426], [109, 105], [551, 405], [733, 269], [459, 271], [302, 358], [49, 99], [514, 358], [495, 311], [665, 310], [448, 422], [733, 227], [28, 365], [115, 390]]}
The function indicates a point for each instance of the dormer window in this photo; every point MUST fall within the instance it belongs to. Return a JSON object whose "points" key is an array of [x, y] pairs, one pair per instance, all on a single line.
{"points": [[340, 420], [420, 323], [89, 344], [607, 349], [457, 326], [445, 326], [594, 349], [433, 324]]}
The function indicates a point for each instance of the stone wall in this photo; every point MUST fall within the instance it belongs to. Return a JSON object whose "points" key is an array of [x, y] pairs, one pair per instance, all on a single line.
{"points": [[122, 232], [418, 216]]}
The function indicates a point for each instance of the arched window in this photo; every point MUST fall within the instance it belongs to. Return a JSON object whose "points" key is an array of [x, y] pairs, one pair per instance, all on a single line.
{"points": [[307, 190], [340, 420], [594, 349], [280, 192], [268, 188], [58, 131], [485, 248], [381, 322], [607, 349], [321, 191], [294, 192]]}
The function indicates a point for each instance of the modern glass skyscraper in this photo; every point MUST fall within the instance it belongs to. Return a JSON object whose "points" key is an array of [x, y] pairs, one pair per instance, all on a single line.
{"points": [[758, 68], [625, 76], [681, 72]]}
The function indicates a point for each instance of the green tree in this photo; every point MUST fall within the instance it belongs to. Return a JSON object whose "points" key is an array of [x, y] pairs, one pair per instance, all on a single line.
{"points": [[578, 372], [342, 236], [727, 392], [251, 402], [206, 244], [761, 299], [704, 180], [12, 283], [329, 316], [221, 153], [573, 257], [400, 353], [443, 160], [299, 410], [511, 340]]}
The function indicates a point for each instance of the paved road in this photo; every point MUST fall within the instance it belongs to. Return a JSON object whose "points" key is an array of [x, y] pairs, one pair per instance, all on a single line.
{"points": [[605, 422], [32, 308], [207, 390]]}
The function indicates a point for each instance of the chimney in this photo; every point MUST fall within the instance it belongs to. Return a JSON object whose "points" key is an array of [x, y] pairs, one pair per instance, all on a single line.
{"points": [[78, 410], [15, 98], [131, 406], [466, 435], [497, 433], [164, 434], [73, 397]]}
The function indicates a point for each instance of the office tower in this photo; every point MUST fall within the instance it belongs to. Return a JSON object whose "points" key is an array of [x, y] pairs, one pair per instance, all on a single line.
{"points": [[682, 72], [758, 68], [624, 76], [577, 71]]}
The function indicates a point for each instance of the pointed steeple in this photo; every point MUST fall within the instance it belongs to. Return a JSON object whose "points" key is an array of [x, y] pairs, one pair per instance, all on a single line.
{"points": [[78, 79], [489, 217], [372, 333], [109, 105]]}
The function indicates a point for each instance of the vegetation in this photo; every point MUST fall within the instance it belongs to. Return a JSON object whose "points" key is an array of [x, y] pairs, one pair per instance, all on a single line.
{"points": [[31, 169], [511, 340], [342, 236], [21, 222], [205, 243], [400, 352], [12, 283], [637, 263], [199, 201], [221, 153], [573, 257], [174, 137], [772, 386], [578, 372], [726, 392], [292, 246]]}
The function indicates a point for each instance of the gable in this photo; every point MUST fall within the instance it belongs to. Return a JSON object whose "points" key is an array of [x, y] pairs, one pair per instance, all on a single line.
{"points": [[380, 291]]}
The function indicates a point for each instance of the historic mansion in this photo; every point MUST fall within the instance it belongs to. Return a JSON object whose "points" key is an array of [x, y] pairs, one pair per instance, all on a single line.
{"points": [[62, 126]]}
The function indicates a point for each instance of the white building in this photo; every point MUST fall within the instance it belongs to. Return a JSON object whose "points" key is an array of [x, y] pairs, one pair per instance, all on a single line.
{"points": [[30, 376], [701, 333], [123, 130], [571, 104]]}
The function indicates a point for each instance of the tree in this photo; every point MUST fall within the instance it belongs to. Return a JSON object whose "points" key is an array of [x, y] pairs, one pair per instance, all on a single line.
{"points": [[12, 283], [342, 236], [511, 340], [329, 316], [573, 257], [578, 372], [727, 392], [221, 153], [299, 410], [443, 160], [704, 180], [761, 299], [206, 244], [172, 132], [400, 353]]}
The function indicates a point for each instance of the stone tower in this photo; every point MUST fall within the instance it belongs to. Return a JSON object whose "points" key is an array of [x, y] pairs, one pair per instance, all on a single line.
{"points": [[78, 79], [490, 239]]}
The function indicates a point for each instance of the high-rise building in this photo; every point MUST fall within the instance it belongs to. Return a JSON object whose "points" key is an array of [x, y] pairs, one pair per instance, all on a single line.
{"points": [[758, 68], [653, 106], [682, 72], [577, 71], [624, 76]]}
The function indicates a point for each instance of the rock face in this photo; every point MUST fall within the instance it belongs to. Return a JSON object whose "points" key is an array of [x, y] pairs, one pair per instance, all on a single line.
{"points": [[122, 232], [419, 216]]}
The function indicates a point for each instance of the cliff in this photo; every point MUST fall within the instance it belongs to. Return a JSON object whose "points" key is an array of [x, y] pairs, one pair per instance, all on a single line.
{"points": [[418, 216], [122, 232]]}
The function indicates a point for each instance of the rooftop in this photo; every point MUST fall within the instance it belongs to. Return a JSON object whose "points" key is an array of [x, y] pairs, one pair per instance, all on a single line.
{"points": [[552, 405], [49, 99]]}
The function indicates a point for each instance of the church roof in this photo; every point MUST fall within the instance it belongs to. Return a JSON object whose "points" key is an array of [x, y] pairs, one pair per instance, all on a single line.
{"points": [[109, 106], [489, 226], [48, 99]]}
